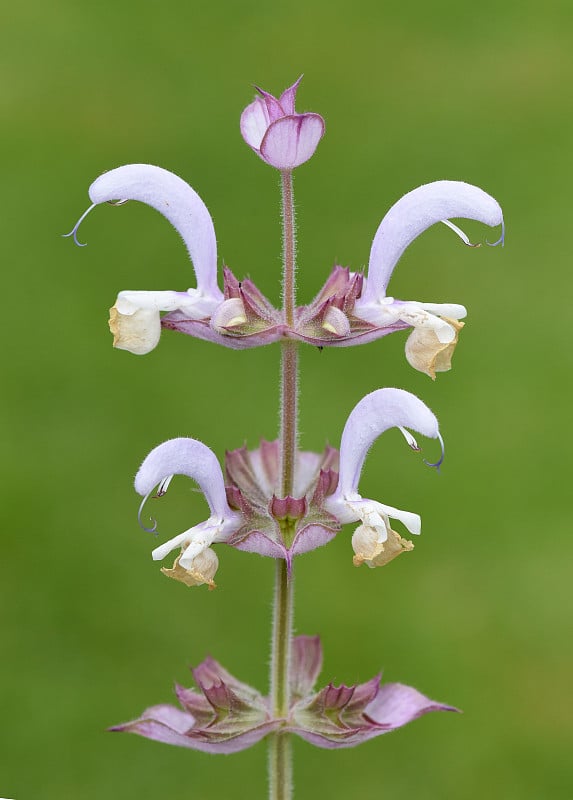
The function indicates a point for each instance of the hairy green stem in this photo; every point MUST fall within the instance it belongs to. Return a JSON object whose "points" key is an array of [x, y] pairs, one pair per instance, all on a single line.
{"points": [[280, 763]]}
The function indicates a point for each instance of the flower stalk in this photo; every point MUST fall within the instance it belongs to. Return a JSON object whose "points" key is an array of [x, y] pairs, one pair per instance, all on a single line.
{"points": [[280, 762]]}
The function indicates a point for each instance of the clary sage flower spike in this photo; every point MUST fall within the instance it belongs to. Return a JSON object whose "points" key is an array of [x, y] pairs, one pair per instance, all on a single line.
{"points": [[248, 513], [277, 500]]}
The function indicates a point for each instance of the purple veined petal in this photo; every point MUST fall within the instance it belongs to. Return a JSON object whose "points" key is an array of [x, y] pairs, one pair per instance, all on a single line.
{"points": [[188, 457], [412, 215], [288, 97], [178, 202], [254, 123], [374, 414], [292, 140]]}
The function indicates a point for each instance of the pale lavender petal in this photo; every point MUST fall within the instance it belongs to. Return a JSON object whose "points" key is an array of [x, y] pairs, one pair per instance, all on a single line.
{"points": [[374, 414], [292, 140], [413, 214], [178, 202], [396, 705], [188, 457], [254, 123]]}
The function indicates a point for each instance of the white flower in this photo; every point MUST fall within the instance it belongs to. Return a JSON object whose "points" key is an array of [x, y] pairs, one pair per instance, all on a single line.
{"points": [[374, 414]]}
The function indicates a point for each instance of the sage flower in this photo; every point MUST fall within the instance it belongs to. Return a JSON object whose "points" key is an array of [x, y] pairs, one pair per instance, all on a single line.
{"points": [[352, 308], [135, 318], [195, 460], [435, 324], [374, 541]]}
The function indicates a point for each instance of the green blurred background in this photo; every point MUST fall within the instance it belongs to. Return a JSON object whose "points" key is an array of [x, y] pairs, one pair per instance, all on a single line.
{"points": [[480, 614]]}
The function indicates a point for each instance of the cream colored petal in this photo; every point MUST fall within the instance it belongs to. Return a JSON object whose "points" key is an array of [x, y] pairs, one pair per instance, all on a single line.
{"points": [[370, 551], [427, 354], [138, 332], [202, 570]]}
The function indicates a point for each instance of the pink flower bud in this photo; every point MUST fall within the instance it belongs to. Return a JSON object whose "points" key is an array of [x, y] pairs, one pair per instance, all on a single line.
{"points": [[280, 136]]}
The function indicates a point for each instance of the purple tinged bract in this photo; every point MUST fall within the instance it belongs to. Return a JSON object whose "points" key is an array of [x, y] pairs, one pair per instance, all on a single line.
{"points": [[227, 715], [280, 136]]}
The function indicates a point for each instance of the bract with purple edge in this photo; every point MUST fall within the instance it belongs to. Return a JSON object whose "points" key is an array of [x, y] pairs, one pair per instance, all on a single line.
{"points": [[227, 715], [277, 134]]}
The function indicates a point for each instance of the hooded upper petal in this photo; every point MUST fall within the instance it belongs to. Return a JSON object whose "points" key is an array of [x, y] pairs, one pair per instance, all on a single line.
{"points": [[189, 457], [178, 202], [184, 456], [374, 414], [412, 215]]}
